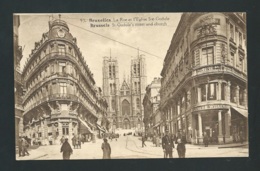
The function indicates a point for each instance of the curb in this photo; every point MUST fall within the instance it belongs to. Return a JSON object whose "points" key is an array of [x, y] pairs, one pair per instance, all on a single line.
{"points": [[234, 146], [39, 157]]}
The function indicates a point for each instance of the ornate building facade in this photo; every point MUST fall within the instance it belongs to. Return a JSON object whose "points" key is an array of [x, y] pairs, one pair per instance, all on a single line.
{"points": [[151, 105], [204, 84], [18, 83], [61, 97], [124, 103]]}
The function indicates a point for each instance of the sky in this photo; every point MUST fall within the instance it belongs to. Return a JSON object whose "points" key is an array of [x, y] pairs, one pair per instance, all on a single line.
{"points": [[150, 32]]}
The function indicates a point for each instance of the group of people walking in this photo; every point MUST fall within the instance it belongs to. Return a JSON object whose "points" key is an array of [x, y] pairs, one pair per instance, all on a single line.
{"points": [[23, 146], [67, 151], [168, 144]]}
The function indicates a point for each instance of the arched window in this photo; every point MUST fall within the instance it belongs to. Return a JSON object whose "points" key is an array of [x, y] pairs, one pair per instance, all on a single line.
{"points": [[114, 71], [138, 103], [113, 104], [125, 107]]}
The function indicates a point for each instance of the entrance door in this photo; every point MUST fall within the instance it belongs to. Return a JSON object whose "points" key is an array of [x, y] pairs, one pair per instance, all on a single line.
{"points": [[126, 124]]}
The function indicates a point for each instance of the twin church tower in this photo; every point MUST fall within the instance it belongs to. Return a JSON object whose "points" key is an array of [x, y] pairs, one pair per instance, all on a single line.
{"points": [[125, 109]]}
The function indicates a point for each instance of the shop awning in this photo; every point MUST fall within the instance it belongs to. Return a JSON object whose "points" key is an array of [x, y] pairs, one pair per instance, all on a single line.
{"points": [[243, 112], [100, 128], [85, 125]]}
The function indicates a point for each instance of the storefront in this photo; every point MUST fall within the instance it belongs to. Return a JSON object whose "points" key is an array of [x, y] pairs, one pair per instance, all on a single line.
{"points": [[239, 120]]}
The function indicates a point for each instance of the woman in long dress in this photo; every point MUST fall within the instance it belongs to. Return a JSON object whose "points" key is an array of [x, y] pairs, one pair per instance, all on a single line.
{"points": [[106, 149], [66, 150]]}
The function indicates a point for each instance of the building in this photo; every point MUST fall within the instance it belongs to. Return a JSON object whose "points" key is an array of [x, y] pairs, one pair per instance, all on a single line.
{"points": [[124, 103], [18, 83], [151, 104], [204, 78], [61, 97]]}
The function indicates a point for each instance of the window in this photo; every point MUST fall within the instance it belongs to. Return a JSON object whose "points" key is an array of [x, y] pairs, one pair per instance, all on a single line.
{"points": [[138, 69], [212, 91], [241, 97], [207, 56], [223, 91], [65, 130], [138, 103], [61, 49], [110, 72], [63, 88], [134, 68], [62, 66], [233, 97], [240, 39], [114, 71], [113, 104], [203, 92], [232, 31]]}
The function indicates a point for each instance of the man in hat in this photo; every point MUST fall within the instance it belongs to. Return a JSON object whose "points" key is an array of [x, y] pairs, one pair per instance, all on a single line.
{"points": [[167, 144]]}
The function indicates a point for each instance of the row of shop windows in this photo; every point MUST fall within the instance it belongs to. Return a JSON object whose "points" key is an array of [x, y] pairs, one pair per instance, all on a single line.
{"points": [[208, 92]]}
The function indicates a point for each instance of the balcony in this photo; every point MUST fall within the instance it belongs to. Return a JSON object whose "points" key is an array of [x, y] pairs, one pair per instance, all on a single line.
{"points": [[56, 55], [218, 69]]}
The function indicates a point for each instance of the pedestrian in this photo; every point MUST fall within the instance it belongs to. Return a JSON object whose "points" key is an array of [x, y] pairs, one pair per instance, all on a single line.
{"points": [[62, 140], [74, 141], [20, 147], [25, 146], [66, 150], [79, 141], [106, 149], [167, 144], [143, 141], [181, 141], [206, 139], [241, 136]]}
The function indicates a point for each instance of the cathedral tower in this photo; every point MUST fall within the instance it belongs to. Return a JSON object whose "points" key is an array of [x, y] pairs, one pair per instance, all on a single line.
{"points": [[111, 88], [138, 85]]}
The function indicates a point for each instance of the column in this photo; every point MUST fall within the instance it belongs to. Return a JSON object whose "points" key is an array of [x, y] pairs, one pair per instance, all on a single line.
{"points": [[171, 119], [227, 126], [20, 126], [220, 135], [200, 126], [237, 94], [199, 94], [207, 85], [219, 90], [228, 91]]}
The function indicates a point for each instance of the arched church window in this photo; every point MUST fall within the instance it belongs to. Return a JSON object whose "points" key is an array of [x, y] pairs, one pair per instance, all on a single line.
{"points": [[125, 107], [138, 103]]}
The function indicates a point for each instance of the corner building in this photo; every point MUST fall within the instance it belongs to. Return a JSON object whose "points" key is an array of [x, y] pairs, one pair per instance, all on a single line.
{"points": [[18, 82], [61, 98], [204, 84], [125, 108]]}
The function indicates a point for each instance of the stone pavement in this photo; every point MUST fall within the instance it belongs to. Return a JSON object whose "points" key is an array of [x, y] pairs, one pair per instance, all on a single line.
{"points": [[130, 147], [34, 154]]}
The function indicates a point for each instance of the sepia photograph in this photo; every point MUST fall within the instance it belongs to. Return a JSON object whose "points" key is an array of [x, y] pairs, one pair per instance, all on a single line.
{"points": [[130, 85]]}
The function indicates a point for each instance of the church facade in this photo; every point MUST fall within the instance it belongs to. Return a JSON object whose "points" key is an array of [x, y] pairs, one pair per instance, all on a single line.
{"points": [[124, 100]]}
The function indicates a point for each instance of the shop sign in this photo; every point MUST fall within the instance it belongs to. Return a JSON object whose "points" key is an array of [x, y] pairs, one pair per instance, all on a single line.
{"points": [[211, 106]]}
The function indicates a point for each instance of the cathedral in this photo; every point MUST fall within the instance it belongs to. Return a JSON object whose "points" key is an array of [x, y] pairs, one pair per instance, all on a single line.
{"points": [[125, 109]]}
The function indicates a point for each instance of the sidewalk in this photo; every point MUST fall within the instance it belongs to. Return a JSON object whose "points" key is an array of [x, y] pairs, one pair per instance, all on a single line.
{"points": [[34, 154]]}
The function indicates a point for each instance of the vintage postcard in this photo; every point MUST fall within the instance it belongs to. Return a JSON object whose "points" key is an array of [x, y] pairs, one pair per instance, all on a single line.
{"points": [[130, 85]]}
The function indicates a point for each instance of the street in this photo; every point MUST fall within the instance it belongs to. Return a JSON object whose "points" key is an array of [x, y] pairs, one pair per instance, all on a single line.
{"points": [[129, 147]]}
